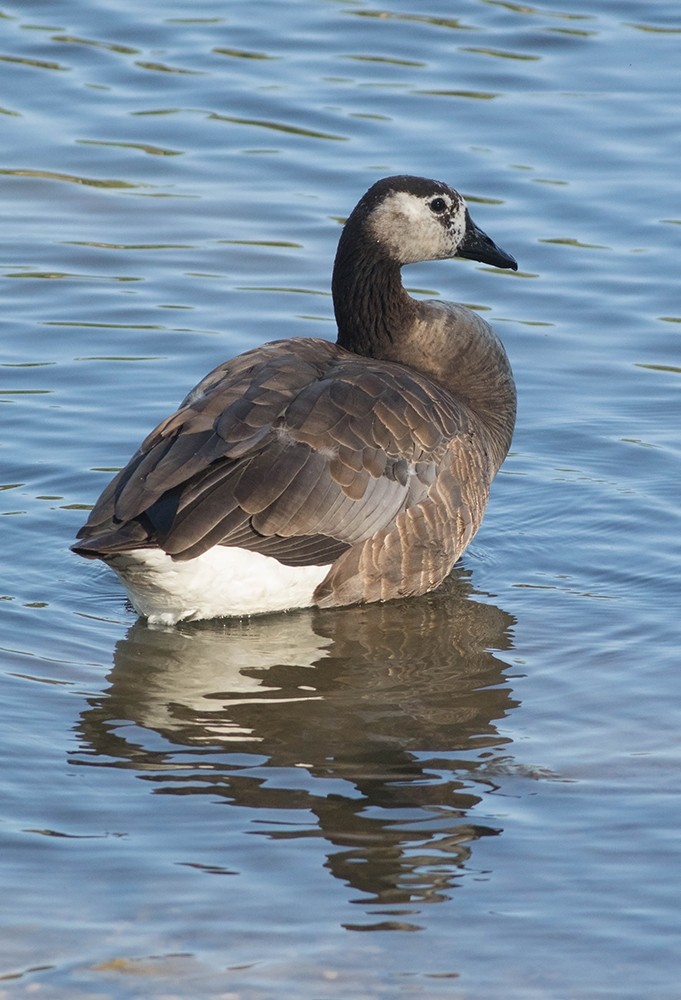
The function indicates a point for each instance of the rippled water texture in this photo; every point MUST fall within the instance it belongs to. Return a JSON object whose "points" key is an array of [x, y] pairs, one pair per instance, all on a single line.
{"points": [[468, 796]]}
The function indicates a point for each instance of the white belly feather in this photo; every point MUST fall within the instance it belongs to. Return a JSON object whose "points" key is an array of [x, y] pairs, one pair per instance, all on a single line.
{"points": [[223, 582]]}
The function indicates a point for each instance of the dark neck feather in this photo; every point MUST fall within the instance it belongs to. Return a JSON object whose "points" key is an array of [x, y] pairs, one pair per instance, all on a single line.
{"points": [[372, 308], [377, 319]]}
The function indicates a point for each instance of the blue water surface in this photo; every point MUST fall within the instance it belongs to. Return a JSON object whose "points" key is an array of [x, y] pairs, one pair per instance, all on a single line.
{"points": [[468, 796]]}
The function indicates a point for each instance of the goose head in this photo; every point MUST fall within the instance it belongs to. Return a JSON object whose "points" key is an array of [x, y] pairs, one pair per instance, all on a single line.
{"points": [[412, 219]]}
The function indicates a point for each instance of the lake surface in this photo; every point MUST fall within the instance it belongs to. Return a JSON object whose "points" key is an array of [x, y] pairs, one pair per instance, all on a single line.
{"points": [[469, 796]]}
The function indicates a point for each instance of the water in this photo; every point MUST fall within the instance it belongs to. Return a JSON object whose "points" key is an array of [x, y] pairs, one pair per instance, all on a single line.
{"points": [[472, 795]]}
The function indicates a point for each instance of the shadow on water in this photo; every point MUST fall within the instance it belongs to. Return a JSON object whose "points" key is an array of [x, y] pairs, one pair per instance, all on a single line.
{"points": [[373, 727]]}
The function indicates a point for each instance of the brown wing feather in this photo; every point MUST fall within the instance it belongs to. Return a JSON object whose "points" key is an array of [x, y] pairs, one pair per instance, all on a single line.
{"points": [[297, 449], [417, 550]]}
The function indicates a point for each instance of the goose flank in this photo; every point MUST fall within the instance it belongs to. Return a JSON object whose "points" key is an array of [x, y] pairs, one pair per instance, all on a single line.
{"points": [[307, 473]]}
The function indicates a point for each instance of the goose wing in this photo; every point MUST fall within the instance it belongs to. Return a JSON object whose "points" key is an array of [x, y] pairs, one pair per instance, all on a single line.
{"points": [[297, 449]]}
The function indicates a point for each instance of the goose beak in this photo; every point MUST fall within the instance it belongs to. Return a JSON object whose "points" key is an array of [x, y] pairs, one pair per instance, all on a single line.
{"points": [[476, 245]]}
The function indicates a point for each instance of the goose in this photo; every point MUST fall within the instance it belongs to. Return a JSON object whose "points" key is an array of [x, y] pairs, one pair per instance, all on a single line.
{"points": [[307, 473]]}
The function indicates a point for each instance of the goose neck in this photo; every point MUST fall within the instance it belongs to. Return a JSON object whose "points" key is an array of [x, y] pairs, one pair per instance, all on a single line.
{"points": [[371, 305]]}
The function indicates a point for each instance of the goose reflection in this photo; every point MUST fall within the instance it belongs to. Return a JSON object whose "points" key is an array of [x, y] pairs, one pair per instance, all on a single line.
{"points": [[372, 726]]}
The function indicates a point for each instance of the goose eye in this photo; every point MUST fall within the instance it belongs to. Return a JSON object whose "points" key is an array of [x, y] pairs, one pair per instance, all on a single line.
{"points": [[438, 206]]}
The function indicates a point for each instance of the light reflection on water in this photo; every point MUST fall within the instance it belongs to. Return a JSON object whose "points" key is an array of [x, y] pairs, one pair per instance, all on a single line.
{"points": [[218, 810]]}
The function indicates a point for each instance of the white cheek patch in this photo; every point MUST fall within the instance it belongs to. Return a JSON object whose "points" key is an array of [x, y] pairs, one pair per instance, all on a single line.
{"points": [[407, 227], [457, 227]]}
